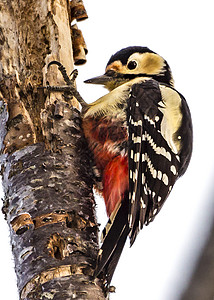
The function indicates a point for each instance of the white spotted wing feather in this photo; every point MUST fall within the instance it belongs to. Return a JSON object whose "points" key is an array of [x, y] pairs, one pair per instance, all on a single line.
{"points": [[153, 151]]}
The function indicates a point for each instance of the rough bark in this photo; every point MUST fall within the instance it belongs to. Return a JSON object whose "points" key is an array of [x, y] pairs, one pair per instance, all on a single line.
{"points": [[45, 165]]}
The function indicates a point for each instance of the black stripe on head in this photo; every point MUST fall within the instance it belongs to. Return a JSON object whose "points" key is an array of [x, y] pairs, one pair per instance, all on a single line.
{"points": [[125, 53]]}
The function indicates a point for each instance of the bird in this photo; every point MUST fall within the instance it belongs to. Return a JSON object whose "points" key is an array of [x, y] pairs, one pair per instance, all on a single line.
{"points": [[140, 135]]}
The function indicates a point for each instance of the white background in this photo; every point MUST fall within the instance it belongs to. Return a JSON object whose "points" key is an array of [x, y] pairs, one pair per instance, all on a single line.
{"points": [[159, 263]]}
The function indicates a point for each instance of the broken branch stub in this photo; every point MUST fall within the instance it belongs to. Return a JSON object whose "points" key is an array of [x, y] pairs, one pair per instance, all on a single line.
{"points": [[79, 46], [77, 10]]}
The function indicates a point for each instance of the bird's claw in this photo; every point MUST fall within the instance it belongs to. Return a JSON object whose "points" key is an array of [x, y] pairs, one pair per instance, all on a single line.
{"points": [[70, 88], [74, 75]]}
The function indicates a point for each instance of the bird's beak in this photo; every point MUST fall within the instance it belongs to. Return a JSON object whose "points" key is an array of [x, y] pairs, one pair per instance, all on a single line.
{"points": [[103, 79]]}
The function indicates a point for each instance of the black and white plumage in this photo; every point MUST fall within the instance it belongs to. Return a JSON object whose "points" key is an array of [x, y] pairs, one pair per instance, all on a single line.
{"points": [[155, 144], [154, 153]]}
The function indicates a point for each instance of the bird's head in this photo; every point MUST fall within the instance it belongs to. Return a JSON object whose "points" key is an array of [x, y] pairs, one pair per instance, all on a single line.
{"points": [[132, 62]]}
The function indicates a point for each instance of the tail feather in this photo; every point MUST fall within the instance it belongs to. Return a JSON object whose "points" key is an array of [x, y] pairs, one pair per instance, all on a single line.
{"points": [[113, 243], [113, 261]]}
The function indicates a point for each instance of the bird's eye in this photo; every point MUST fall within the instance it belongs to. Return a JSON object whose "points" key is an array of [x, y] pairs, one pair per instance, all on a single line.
{"points": [[132, 65]]}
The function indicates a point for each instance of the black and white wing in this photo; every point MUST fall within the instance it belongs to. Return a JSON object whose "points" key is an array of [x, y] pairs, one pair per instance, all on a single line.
{"points": [[154, 116]]}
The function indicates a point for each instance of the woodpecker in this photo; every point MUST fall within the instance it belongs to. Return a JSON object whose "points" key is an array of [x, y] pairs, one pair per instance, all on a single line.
{"points": [[140, 134]]}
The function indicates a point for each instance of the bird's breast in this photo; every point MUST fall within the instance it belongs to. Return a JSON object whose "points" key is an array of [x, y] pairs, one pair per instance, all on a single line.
{"points": [[107, 137], [108, 140]]}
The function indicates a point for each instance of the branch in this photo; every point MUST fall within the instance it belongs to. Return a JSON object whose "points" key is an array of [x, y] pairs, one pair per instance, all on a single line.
{"points": [[201, 284]]}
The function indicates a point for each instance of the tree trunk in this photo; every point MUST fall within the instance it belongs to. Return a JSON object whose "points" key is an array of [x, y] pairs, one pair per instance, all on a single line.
{"points": [[201, 285], [45, 166]]}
